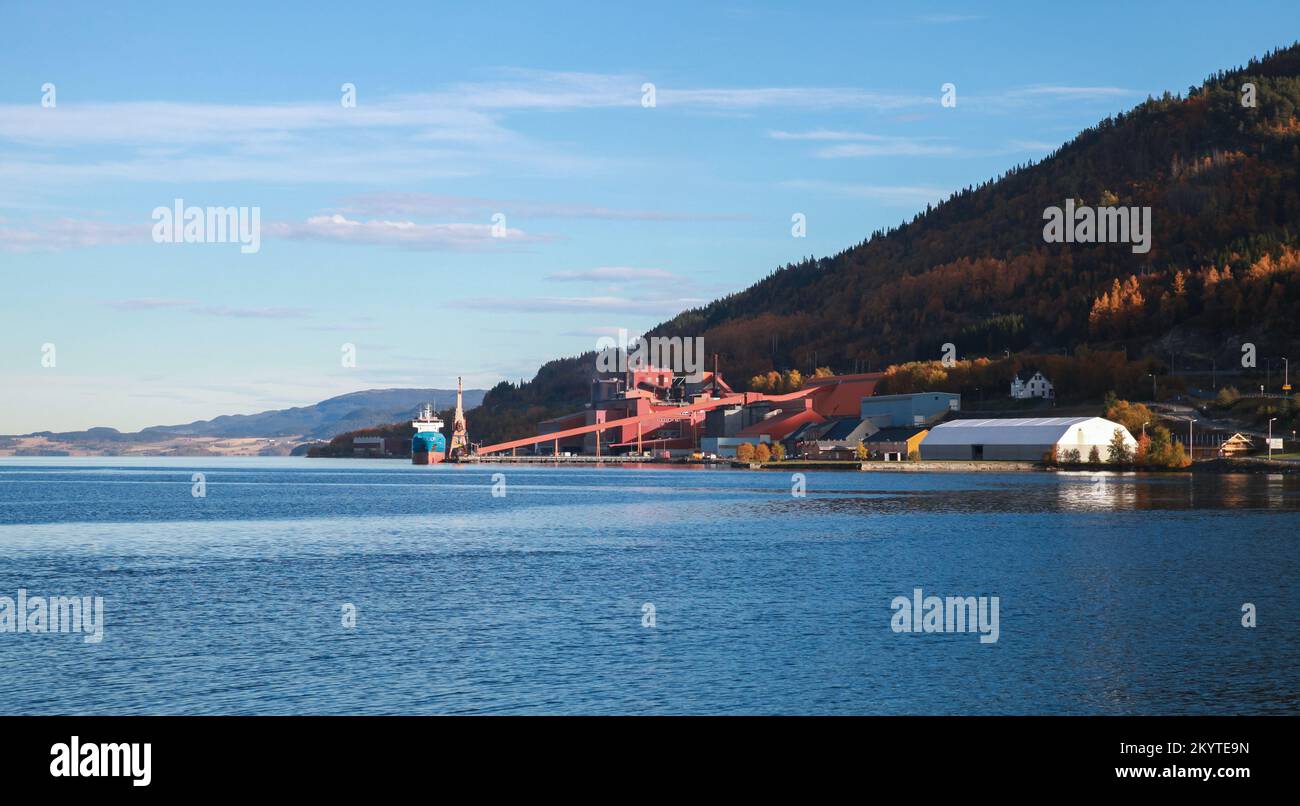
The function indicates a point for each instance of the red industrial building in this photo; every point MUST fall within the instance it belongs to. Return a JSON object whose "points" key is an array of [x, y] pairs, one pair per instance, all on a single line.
{"points": [[653, 410]]}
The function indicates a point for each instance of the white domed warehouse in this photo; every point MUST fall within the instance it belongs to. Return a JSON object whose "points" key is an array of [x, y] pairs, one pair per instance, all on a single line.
{"points": [[1023, 439]]}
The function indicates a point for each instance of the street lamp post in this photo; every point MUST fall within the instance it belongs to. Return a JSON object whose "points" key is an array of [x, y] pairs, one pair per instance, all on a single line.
{"points": [[1270, 438], [1191, 452], [1152, 375], [1144, 427]]}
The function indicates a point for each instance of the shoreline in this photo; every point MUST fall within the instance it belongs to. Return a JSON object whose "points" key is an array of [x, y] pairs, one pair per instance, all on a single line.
{"points": [[1246, 466], [1218, 466]]}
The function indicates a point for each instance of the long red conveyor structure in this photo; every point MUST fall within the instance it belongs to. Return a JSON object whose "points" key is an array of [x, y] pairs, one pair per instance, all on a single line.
{"points": [[661, 416]]}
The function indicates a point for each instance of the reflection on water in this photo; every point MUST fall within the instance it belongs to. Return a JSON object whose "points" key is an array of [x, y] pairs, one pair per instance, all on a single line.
{"points": [[1120, 593]]}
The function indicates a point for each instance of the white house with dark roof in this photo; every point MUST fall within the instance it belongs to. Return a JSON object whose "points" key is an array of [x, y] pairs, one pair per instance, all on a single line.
{"points": [[1030, 382]]}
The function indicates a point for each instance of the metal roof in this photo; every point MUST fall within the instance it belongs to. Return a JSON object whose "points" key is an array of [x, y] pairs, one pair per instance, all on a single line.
{"points": [[805, 431], [1019, 431], [841, 429], [909, 395], [899, 433]]}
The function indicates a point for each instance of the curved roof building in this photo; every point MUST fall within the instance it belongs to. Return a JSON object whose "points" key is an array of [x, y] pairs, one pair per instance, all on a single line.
{"points": [[1022, 439]]}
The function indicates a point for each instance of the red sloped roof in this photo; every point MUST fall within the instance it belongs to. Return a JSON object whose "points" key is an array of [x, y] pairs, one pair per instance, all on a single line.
{"points": [[841, 396], [780, 426]]}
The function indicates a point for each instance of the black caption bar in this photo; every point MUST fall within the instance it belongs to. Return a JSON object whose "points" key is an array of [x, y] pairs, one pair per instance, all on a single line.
{"points": [[138, 756]]}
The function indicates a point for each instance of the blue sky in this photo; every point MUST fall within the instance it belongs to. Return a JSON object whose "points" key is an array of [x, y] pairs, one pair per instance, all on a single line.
{"points": [[377, 219]]}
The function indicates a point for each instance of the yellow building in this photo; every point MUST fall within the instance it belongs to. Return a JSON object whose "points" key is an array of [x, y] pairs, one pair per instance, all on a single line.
{"points": [[1236, 445], [895, 443]]}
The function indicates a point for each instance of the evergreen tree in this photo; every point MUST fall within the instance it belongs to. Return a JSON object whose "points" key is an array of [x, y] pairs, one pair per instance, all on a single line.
{"points": [[1118, 452]]}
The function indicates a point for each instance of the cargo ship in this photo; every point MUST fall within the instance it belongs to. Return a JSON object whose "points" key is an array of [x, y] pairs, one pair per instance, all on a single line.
{"points": [[428, 446]]}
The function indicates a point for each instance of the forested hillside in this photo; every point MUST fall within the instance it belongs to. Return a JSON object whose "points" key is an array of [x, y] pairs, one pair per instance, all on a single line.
{"points": [[1222, 180]]}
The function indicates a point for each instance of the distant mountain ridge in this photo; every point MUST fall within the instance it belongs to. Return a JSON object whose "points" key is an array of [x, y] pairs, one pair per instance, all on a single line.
{"points": [[350, 412]]}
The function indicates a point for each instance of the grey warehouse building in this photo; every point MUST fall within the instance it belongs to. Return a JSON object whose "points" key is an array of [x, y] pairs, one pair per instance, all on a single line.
{"points": [[1024, 439], [909, 410]]}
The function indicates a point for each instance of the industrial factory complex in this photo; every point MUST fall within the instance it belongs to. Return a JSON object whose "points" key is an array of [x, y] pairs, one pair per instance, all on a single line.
{"points": [[655, 413]]}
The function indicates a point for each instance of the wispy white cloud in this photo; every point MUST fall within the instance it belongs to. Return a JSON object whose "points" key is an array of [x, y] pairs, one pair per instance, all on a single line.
{"points": [[149, 304], [340, 327], [1020, 97], [337, 228], [379, 141], [466, 113], [226, 311], [541, 89], [742, 98], [589, 304], [613, 274], [1072, 92], [600, 330], [1032, 145], [891, 148], [70, 233], [460, 130], [823, 134], [252, 313], [170, 123], [425, 204], [892, 195], [385, 161], [862, 144], [409, 234]]}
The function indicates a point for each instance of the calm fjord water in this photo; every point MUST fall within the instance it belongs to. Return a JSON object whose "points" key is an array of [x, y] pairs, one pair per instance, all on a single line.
{"points": [[1122, 597]]}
